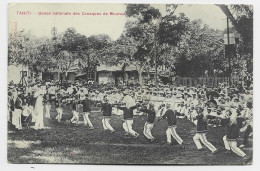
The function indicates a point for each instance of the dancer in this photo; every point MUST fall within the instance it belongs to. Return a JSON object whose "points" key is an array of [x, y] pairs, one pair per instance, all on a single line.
{"points": [[130, 105], [75, 118], [172, 125], [107, 110], [234, 123], [202, 130], [86, 112], [149, 122]]}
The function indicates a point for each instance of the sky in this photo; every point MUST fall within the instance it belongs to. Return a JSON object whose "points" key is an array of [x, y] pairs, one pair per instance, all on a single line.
{"points": [[40, 25], [209, 14]]}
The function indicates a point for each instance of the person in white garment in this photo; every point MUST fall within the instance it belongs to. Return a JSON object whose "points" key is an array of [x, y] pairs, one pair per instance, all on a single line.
{"points": [[39, 111], [47, 103]]}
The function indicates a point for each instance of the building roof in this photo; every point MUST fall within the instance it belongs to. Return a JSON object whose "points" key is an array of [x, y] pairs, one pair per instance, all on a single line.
{"points": [[130, 68], [104, 67]]}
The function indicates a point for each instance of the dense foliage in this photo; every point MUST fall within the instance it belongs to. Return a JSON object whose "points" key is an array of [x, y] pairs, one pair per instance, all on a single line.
{"points": [[183, 47]]}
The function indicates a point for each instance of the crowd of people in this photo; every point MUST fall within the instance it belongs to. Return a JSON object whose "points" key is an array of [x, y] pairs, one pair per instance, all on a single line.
{"points": [[223, 106]]}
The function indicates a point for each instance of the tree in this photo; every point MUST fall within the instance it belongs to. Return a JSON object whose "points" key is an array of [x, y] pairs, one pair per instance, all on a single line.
{"points": [[142, 29], [172, 31], [71, 47], [155, 35], [27, 50], [241, 17], [200, 48]]}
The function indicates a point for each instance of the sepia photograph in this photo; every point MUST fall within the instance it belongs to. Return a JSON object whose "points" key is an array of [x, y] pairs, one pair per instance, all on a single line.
{"points": [[130, 84]]}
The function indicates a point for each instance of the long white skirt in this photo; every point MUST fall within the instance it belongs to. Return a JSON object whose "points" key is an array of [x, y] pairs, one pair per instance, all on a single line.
{"points": [[16, 119], [39, 119]]}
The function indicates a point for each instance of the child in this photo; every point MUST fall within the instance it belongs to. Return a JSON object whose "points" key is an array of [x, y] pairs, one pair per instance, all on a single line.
{"points": [[26, 114]]}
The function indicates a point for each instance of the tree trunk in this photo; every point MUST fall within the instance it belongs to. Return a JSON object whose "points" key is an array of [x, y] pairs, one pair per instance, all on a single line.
{"points": [[32, 77], [95, 74], [66, 76], [140, 71], [125, 78], [227, 12], [58, 75]]}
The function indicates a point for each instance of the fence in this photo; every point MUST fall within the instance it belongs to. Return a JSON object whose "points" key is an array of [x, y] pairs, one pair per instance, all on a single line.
{"points": [[209, 81]]}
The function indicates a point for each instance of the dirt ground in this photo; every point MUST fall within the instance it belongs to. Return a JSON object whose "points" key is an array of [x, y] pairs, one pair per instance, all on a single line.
{"points": [[68, 143]]}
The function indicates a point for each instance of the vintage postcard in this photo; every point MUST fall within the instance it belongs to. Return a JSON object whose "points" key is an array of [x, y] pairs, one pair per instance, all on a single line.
{"points": [[161, 84]]}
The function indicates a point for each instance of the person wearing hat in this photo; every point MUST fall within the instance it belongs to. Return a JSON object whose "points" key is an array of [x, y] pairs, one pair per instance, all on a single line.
{"points": [[138, 96], [202, 130], [148, 126], [86, 112], [39, 111], [182, 110], [81, 94], [172, 124]]}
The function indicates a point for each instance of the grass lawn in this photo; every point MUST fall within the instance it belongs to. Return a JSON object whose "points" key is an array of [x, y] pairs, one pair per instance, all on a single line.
{"points": [[68, 143]]}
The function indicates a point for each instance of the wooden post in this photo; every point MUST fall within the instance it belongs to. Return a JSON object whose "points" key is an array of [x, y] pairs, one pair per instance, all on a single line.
{"points": [[229, 60], [155, 58]]}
